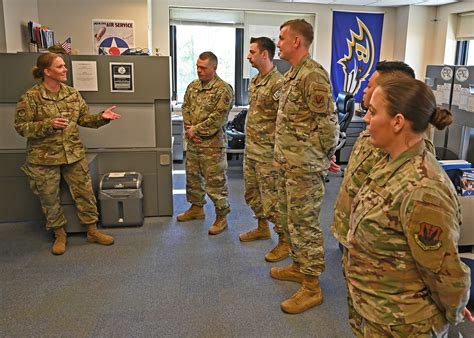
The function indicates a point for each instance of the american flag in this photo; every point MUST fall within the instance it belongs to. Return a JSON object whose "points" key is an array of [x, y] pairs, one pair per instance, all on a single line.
{"points": [[67, 45]]}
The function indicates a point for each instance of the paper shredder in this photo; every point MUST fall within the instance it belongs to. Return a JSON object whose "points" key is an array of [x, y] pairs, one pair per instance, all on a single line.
{"points": [[121, 199]]}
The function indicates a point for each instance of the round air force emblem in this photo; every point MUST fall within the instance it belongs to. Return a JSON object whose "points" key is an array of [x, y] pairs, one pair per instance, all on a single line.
{"points": [[113, 46]]}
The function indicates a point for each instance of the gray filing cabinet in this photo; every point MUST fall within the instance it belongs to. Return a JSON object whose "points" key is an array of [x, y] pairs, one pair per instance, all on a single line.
{"points": [[356, 126], [177, 134]]}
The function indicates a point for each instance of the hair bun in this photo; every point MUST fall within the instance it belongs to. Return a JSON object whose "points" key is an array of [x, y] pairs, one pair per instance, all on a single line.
{"points": [[441, 118], [37, 73]]}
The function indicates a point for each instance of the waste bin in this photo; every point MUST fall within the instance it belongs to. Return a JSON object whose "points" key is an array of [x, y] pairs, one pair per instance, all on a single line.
{"points": [[121, 199]]}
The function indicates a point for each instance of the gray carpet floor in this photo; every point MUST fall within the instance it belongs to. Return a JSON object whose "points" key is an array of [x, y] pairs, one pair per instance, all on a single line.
{"points": [[165, 279]]}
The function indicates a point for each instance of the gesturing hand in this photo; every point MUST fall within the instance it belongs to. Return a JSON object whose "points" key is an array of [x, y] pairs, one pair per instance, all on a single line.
{"points": [[108, 114]]}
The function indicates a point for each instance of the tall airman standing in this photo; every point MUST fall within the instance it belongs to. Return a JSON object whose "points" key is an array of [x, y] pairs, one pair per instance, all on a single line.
{"points": [[205, 109], [259, 172], [305, 140]]}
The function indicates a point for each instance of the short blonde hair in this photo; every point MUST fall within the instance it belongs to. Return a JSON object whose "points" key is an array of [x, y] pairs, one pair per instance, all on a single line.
{"points": [[302, 27]]}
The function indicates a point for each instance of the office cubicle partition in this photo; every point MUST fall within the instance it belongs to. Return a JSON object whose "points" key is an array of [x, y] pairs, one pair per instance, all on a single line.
{"points": [[140, 141]]}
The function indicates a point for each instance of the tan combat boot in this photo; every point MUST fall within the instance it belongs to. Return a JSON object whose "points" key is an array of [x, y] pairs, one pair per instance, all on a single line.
{"points": [[308, 295], [59, 246], [95, 236], [194, 212], [280, 251], [261, 232], [219, 225], [288, 273]]}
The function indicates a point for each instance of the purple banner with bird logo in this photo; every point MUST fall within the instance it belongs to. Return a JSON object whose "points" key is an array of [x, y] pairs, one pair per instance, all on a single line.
{"points": [[356, 42]]}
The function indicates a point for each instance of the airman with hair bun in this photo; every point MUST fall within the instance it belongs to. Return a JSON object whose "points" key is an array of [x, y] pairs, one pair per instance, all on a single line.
{"points": [[403, 270]]}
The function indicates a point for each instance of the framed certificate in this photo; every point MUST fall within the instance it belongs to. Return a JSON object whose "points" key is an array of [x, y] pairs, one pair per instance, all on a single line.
{"points": [[121, 77]]}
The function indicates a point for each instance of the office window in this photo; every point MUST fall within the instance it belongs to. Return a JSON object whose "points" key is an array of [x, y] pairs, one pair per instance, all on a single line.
{"points": [[470, 53], [465, 53], [192, 40], [227, 34]]}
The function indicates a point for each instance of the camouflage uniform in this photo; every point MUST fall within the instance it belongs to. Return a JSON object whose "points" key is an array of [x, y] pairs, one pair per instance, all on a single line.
{"points": [[206, 108], [402, 266], [259, 172], [305, 139], [363, 158], [55, 152]]}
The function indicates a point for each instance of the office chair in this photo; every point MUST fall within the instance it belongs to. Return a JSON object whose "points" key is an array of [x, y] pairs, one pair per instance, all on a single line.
{"points": [[235, 134], [345, 107]]}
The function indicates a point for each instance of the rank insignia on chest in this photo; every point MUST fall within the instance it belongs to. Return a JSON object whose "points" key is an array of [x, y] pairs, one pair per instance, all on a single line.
{"points": [[428, 237], [319, 100], [277, 94]]}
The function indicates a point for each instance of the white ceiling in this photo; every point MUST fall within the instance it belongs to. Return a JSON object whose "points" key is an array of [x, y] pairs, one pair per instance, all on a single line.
{"points": [[378, 3]]}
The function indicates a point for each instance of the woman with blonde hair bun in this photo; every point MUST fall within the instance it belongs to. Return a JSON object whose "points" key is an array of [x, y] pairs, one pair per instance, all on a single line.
{"points": [[48, 115]]}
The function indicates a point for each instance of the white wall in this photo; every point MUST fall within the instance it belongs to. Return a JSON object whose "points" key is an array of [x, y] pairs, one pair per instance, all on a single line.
{"points": [[445, 48], [416, 34], [323, 29], [401, 27], [73, 18], [17, 13], [420, 40]]}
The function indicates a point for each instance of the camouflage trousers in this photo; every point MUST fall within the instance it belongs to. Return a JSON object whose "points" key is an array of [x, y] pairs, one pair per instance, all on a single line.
{"points": [[363, 328], [355, 320], [300, 195], [45, 183], [260, 190], [435, 326], [206, 173]]}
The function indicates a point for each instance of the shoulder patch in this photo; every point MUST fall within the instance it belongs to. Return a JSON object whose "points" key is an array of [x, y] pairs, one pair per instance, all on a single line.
{"points": [[428, 237]]}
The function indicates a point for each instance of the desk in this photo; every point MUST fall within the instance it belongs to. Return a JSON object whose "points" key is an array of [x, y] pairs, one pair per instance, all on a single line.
{"points": [[177, 134], [466, 233], [237, 152]]}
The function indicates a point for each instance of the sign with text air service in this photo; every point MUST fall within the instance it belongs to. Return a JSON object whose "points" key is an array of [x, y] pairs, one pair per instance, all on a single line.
{"points": [[356, 41], [113, 37]]}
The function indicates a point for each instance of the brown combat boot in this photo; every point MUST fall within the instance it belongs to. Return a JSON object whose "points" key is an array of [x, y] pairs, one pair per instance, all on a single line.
{"points": [[280, 251], [261, 232], [59, 246], [95, 236], [288, 273], [219, 225], [308, 295], [194, 212]]}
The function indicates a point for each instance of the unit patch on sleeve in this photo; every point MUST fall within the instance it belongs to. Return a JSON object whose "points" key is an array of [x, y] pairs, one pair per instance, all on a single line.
{"points": [[428, 237]]}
